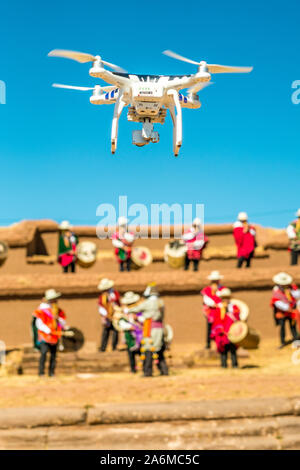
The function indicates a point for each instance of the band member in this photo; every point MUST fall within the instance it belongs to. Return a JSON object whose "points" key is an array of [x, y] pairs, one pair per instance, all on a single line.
{"points": [[132, 325], [67, 247], [211, 300], [293, 233], [50, 321], [225, 315], [284, 302], [244, 236], [195, 241], [153, 343], [108, 299], [122, 240]]}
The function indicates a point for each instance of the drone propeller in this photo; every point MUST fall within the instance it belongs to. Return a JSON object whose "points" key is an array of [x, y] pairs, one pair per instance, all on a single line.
{"points": [[82, 57], [84, 88], [211, 68]]}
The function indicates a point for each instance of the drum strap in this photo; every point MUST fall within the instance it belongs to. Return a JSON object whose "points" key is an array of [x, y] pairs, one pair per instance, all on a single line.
{"points": [[54, 311], [107, 305], [223, 312], [288, 295], [147, 328]]}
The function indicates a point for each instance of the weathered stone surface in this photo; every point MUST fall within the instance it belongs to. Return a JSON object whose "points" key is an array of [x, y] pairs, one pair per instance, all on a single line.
{"points": [[237, 434], [34, 285], [296, 405], [22, 233], [223, 409], [29, 439], [39, 416]]}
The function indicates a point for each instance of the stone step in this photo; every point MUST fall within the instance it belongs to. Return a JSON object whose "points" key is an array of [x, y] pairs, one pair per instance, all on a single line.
{"points": [[256, 434]]}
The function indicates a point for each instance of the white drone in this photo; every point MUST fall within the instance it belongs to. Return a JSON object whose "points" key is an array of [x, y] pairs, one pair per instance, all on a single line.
{"points": [[147, 96]]}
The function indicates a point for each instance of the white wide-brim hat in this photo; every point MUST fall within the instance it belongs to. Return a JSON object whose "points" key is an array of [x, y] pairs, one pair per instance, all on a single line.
{"points": [[224, 293], [282, 279], [242, 216], [197, 222], [130, 298], [65, 225], [51, 294], [105, 284], [122, 221], [298, 213], [215, 276]]}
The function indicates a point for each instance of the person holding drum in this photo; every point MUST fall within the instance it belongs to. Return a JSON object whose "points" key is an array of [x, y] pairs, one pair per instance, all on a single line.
{"points": [[284, 302], [195, 242], [49, 322], [293, 233], [122, 240], [211, 300], [224, 316], [108, 299], [244, 236], [153, 342], [67, 247], [132, 325]]}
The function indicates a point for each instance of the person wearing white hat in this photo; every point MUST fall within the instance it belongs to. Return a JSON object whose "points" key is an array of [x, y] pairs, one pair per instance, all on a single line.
{"points": [[225, 314], [153, 343], [284, 300], [122, 241], [211, 300], [109, 298], [49, 321], [67, 245], [293, 233], [245, 239], [195, 241], [132, 325]]}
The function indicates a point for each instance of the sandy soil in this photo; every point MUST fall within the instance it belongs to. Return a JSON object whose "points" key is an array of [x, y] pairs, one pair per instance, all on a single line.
{"points": [[267, 372]]}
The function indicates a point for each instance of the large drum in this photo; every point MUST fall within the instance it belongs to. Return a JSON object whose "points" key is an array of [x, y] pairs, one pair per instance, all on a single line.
{"points": [[168, 335], [86, 254], [174, 254], [3, 252], [242, 335], [71, 341], [244, 309], [140, 257]]}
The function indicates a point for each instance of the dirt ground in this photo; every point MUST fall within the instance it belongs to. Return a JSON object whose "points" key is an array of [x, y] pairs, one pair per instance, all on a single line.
{"points": [[266, 372]]}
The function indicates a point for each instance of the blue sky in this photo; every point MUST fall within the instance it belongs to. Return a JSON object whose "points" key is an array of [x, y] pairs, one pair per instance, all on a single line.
{"points": [[240, 150]]}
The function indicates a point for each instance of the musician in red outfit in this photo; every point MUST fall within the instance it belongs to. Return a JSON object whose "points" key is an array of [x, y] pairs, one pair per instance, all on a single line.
{"points": [[195, 242], [108, 299], [224, 316], [50, 321], [122, 241], [211, 300], [244, 235], [284, 300]]}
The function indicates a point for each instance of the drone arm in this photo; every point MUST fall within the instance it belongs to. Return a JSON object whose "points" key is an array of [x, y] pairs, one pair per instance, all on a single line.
{"points": [[119, 105], [176, 115], [181, 83], [109, 77]]}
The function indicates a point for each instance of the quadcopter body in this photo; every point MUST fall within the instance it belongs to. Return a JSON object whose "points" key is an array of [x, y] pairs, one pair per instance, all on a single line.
{"points": [[148, 97]]}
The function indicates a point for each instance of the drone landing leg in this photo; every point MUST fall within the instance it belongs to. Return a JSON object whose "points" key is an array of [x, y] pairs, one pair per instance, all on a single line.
{"points": [[176, 114], [114, 129]]}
